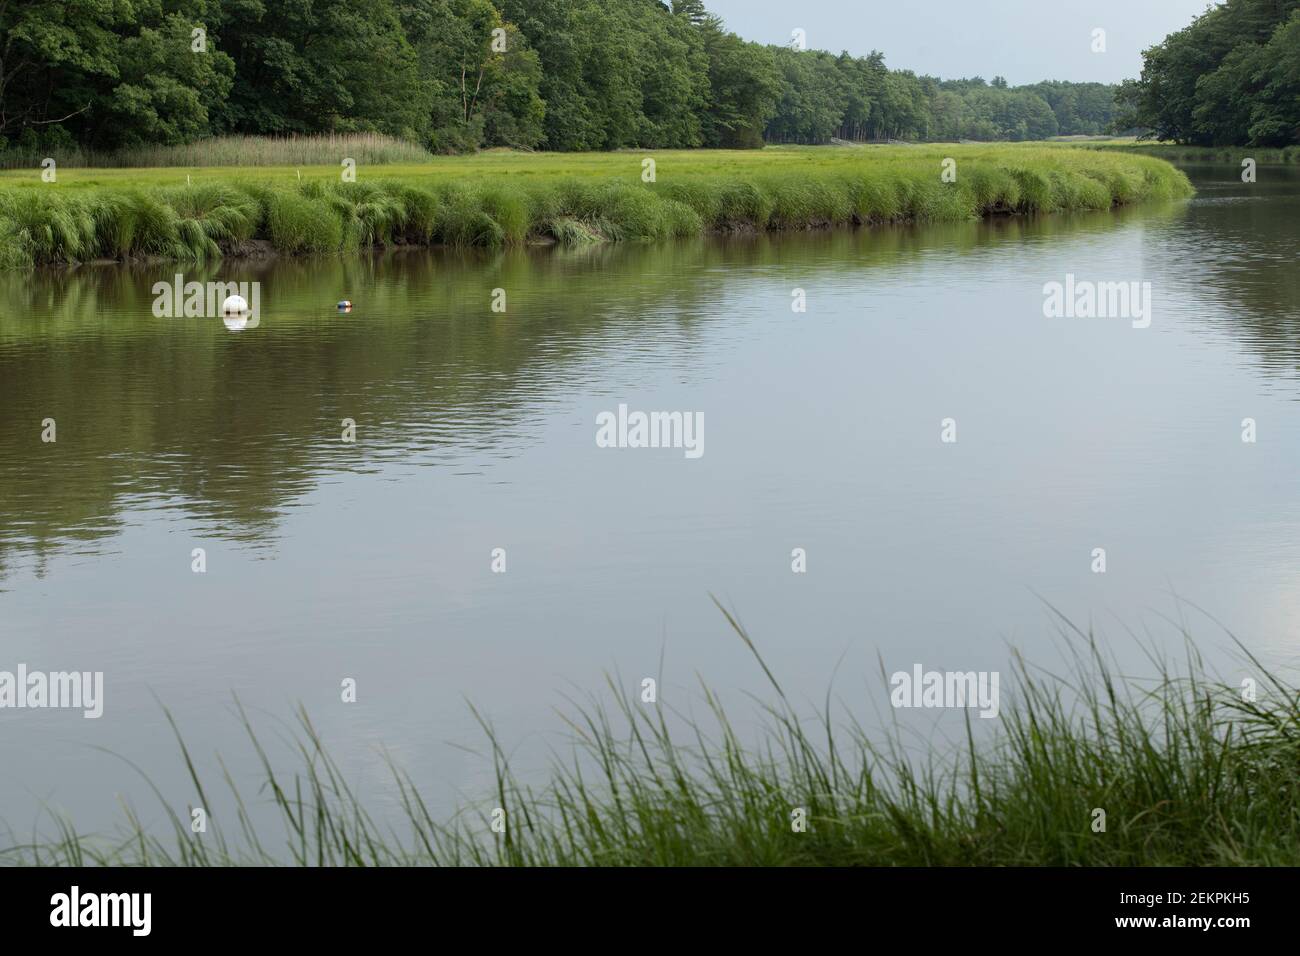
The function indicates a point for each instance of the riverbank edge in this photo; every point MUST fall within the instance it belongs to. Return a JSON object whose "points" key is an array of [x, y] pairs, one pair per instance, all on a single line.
{"points": [[1171, 152], [247, 217]]}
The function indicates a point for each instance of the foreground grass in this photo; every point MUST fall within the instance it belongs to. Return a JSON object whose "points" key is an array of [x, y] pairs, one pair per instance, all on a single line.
{"points": [[1187, 772], [498, 199]]}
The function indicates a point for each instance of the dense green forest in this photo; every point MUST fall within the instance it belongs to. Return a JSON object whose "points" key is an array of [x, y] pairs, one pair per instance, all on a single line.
{"points": [[454, 75], [1231, 78]]}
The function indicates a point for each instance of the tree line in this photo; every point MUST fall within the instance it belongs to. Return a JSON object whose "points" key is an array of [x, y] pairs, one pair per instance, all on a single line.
{"points": [[456, 75], [1230, 78]]}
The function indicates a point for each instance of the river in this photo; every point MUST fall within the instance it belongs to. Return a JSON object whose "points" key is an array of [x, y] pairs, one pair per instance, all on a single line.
{"points": [[475, 541]]}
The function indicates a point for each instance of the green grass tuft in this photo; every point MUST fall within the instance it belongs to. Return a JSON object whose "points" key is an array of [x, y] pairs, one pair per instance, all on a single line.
{"points": [[297, 222], [212, 217], [47, 226]]}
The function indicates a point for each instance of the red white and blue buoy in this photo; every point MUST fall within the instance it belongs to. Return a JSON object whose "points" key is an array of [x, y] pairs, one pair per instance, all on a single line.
{"points": [[345, 305]]}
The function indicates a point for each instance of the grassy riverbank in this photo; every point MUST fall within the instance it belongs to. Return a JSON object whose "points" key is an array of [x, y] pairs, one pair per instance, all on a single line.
{"points": [[497, 199], [1187, 771]]}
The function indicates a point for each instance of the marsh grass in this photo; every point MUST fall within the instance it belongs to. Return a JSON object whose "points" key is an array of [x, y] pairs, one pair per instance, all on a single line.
{"points": [[1187, 771], [371, 149], [509, 203]]}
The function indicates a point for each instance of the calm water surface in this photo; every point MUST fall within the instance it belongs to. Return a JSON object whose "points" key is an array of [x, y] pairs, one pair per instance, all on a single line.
{"points": [[476, 430]]}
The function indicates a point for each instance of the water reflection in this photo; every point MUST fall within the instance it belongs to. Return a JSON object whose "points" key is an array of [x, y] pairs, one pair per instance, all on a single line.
{"points": [[1237, 249], [231, 430], [239, 321], [166, 413]]}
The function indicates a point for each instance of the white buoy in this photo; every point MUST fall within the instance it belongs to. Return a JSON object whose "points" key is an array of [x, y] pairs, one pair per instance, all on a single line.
{"points": [[234, 305]]}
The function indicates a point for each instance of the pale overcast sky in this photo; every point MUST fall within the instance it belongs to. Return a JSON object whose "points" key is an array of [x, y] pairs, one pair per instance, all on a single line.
{"points": [[1023, 40]]}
